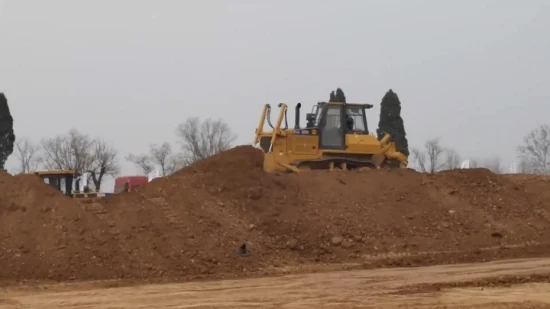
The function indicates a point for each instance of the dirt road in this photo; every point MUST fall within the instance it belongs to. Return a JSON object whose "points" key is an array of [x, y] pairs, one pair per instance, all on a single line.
{"points": [[426, 287]]}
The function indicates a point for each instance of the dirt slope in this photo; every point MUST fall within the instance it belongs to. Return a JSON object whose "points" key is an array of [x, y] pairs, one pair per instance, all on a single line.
{"points": [[46, 235], [191, 223]]}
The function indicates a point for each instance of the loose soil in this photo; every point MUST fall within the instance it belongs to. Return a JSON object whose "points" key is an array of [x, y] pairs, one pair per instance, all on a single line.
{"points": [[191, 224], [449, 286]]}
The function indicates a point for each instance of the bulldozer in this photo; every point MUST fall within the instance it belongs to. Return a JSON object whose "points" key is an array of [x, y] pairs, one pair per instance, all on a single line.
{"points": [[336, 135], [63, 181]]}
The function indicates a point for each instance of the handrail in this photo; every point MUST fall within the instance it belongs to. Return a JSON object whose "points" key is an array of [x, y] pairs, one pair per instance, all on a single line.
{"points": [[260, 128], [277, 129]]}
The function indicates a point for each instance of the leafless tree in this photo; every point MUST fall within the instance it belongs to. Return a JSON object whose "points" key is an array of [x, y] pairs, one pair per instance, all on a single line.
{"points": [[200, 140], [160, 156], [28, 155], [493, 164], [419, 158], [474, 163], [535, 150], [429, 159], [104, 162], [68, 152], [78, 152], [142, 162], [524, 167], [174, 163], [452, 159]]}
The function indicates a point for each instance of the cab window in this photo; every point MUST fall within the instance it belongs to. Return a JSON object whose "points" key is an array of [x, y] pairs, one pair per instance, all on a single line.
{"points": [[356, 118]]}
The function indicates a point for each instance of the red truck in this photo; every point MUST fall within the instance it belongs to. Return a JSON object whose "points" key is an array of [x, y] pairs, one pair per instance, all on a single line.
{"points": [[129, 183]]}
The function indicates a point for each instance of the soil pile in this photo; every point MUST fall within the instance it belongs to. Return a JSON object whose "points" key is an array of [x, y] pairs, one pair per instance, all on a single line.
{"points": [[192, 223], [44, 234]]}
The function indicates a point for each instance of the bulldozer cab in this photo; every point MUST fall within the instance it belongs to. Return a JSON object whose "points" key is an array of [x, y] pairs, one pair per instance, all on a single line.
{"points": [[62, 180], [334, 120]]}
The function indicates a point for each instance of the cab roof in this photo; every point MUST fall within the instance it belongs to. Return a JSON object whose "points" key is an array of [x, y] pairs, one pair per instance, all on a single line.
{"points": [[55, 172], [363, 105]]}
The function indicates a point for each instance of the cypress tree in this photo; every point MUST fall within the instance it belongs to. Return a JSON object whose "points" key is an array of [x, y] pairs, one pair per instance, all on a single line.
{"points": [[392, 123], [338, 96], [7, 137]]}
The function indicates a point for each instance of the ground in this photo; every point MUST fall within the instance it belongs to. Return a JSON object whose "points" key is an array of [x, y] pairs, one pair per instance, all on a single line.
{"points": [[316, 240], [482, 285]]}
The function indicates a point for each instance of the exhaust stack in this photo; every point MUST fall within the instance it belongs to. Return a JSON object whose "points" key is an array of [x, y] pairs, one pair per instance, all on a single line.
{"points": [[297, 121]]}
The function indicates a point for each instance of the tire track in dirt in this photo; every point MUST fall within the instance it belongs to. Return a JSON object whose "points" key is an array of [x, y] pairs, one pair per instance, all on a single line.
{"points": [[334, 290]]}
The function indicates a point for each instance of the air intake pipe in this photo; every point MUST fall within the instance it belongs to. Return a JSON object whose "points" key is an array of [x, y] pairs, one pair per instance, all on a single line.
{"points": [[297, 121]]}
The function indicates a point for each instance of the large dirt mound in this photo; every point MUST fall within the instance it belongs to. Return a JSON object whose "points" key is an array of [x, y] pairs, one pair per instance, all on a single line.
{"points": [[44, 234], [192, 223]]}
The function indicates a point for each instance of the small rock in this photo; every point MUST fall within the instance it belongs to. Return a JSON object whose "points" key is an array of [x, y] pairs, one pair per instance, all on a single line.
{"points": [[254, 193], [251, 227], [445, 224], [291, 244], [347, 244], [336, 240]]}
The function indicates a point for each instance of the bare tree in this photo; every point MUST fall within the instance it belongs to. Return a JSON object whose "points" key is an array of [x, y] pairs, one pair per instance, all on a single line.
{"points": [[104, 161], [142, 162], [535, 150], [28, 155], [78, 152], [452, 159], [174, 163], [474, 163], [160, 156], [419, 158], [68, 152], [434, 150], [200, 140], [524, 167], [429, 160], [493, 164]]}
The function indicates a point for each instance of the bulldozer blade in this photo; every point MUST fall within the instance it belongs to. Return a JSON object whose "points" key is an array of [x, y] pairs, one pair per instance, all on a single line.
{"points": [[378, 159]]}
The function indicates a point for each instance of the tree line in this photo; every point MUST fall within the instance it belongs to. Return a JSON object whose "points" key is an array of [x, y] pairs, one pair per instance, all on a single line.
{"points": [[74, 150], [198, 139], [533, 155]]}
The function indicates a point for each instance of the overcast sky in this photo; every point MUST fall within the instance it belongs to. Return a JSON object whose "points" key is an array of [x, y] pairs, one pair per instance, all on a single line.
{"points": [[474, 73]]}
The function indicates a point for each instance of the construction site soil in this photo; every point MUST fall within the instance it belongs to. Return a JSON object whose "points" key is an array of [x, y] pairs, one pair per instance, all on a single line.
{"points": [[193, 223]]}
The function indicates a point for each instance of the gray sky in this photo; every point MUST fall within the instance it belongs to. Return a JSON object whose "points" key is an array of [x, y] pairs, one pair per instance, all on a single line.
{"points": [[474, 73]]}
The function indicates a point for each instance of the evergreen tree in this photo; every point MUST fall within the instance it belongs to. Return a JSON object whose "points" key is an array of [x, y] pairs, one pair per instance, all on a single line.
{"points": [[392, 123], [337, 96], [7, 138]]}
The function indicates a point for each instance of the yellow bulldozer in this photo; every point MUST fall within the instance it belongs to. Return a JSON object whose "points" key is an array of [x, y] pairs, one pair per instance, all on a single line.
{"points": [[336, 136]]}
